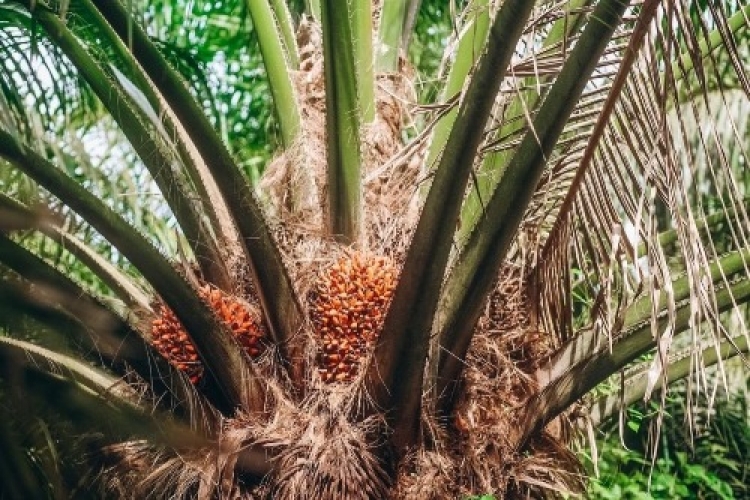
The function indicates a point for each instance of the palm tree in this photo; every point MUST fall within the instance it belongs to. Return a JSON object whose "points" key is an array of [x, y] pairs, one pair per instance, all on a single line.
{"points": [[413, 300]]}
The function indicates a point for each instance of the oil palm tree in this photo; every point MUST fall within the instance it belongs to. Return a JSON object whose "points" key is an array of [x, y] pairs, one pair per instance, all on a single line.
{"points": [[419, 295]]}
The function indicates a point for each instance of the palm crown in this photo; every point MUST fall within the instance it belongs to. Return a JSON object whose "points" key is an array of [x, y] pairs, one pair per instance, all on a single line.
{"points": [[412, 299]]}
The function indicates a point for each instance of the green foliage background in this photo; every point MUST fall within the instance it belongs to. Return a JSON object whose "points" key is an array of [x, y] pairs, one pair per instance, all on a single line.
{"points": [[712, 464]]}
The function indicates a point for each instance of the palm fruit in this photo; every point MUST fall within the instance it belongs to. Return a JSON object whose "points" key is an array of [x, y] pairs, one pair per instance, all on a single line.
{"points": [[172, 341], [348, 306]]}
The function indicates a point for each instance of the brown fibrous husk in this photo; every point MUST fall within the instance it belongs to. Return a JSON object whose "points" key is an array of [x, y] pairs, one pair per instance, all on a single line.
{"points": [[475, 453]]}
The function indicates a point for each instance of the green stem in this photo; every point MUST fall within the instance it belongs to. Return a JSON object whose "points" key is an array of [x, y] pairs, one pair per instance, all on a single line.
{"points": [[161, 115], [636, 386], [73, 299], [470, 45], [577, 378], [390, 34], [705, 226], [738, 21], [285, 25], [154, 156], [72, 369], [587, 341], [526, 100], [361, 22], [65, 307], [342, 120], [23, 217], [87, 408], [278, 61], [99, 388], [312, 7], [394, 380], [410, 20]]}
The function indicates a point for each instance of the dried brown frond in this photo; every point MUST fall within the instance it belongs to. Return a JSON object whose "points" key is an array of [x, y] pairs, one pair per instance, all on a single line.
{"points": [[137, 469], [392, 170], [550, 469], [294, 181]]}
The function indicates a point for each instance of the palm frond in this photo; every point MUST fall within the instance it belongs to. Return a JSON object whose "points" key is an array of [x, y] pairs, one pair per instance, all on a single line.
{"points": [[45, 293], [210, 335], [563, 381], [87, 397], [471, 280], [638, 174]]}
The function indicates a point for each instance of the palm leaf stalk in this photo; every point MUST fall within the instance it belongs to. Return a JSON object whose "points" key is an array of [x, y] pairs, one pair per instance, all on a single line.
{"points": [[395, 379], [471, 40], [476, 267], [582, 346], [636, 339], [105, 335], [362, 40], [681, 367], [162, 118], [344, 114], [395, 27], [283, 19], [88, 395], [529, 94], [17, 216], [390, 34], [278, 47], [405, 333]]}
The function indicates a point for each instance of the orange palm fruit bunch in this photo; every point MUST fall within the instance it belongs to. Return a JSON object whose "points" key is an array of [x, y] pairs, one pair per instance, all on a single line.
{"points": [[348, 307], [173, 342]]}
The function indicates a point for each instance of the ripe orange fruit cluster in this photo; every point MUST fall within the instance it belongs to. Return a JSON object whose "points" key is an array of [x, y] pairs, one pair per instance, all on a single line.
{"points": [[348, 307], [172, 341]]}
